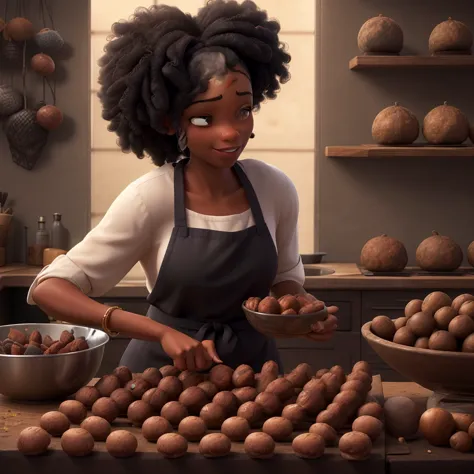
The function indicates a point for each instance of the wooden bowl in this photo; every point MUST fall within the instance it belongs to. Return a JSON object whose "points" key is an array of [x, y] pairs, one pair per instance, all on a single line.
{"points": [[283, 326], [440, 371]]}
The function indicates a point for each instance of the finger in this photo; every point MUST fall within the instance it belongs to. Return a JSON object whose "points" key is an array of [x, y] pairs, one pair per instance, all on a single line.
{"points": [[180, 363], [211, 350], [190, 365], [320, 337], [330, 321], [202, 359], [332, 309], [325, 326]]}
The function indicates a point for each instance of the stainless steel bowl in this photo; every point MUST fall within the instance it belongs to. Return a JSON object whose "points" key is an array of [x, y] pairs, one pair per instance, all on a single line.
{"points": [[45, 377], [311, 258]]}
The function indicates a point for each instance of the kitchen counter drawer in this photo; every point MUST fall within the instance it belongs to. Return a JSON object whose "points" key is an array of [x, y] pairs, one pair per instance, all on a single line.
{"points": [[348, 303], [343, 349]]}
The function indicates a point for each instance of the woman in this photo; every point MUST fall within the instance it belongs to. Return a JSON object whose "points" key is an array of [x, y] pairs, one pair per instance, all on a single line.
{"points": [[208, 231]]}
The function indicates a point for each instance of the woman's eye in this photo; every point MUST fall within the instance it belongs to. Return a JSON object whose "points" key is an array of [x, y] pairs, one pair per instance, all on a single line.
{"points": [[245, 113], [201, 121]]}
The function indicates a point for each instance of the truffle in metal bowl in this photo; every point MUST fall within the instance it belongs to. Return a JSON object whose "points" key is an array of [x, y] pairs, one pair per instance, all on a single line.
{"points": [[50, 376]]}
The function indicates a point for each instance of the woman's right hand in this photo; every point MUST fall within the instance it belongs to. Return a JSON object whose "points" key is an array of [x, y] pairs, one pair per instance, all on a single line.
{"points": [[188, 353]]}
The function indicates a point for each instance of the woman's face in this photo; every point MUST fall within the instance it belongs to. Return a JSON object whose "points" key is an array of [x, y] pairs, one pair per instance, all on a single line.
{"points": [[219, 122]]}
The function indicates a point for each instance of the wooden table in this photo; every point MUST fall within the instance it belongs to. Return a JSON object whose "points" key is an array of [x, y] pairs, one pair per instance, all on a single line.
{"points": [[17, 416], [389, 455], [418, 456]]}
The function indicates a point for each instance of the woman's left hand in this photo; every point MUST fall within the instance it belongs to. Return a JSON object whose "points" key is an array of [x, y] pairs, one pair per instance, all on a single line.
{"points": [[324, 330]]}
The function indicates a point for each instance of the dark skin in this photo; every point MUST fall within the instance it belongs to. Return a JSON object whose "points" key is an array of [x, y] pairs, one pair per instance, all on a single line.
{"points": [[221, 119], [211, 188]]}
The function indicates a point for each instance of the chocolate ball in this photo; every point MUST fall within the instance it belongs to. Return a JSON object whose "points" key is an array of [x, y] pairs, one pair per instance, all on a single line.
{"points": [[174, 412], [236, 428], [98, 427], [192, 428], [154, 427]]}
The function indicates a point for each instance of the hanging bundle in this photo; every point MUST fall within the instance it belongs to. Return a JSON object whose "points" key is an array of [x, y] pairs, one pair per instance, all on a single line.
{"points": [[26, 138], [11, 100], [27, 128], [49, 41], [12, 51]]}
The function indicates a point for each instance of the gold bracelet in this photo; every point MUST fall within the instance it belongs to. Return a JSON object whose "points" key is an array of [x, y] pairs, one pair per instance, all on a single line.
{"points": [[105, 321]]}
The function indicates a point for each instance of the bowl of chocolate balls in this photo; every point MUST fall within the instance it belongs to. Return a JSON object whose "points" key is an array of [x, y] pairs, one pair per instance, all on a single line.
{"points": [[432, 344], [288, 316]]}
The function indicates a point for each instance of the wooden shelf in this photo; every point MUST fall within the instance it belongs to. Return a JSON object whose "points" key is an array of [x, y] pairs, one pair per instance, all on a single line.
{"points": [[374, 62], [379, 151]]}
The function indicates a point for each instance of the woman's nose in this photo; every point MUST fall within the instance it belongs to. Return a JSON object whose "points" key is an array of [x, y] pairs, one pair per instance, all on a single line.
{"points": [[229, 133]]}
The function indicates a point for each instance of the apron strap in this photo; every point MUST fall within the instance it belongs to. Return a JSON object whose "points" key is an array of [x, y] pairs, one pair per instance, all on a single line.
{"points": [[179, 198], [252, 198]]}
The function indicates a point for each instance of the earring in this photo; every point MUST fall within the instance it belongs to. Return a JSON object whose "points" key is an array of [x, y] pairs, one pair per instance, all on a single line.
{"points": [[182, 141], [252, 135]]}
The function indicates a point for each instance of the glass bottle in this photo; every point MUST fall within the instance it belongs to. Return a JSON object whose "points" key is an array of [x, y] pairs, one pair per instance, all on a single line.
{"points": [[42, 234], [58, 233]]}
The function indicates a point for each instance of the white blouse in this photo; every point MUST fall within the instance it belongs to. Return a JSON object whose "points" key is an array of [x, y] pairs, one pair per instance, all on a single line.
{"points": [[138, 225]]}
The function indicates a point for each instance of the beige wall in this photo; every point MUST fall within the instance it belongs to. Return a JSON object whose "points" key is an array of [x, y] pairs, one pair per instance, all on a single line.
{"points": [[284, 128], [403, 197]]}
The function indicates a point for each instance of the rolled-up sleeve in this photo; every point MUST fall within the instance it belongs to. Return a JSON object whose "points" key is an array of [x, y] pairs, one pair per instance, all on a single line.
{"points": [[290, 266], [108, 252]]}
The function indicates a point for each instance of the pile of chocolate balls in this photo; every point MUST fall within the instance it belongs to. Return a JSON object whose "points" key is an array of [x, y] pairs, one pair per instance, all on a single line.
{"points": [[306, 410]]}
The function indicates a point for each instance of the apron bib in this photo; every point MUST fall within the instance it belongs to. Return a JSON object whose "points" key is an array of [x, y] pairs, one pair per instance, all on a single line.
{"points": [[203, 280]]}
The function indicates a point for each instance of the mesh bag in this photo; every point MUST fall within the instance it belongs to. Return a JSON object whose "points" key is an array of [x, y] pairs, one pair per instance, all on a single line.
{"points": [[26, 138], [11, 100], [49, 41], [12, 51]]}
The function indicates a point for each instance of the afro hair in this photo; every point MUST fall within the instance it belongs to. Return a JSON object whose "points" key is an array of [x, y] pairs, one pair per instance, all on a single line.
{"points": [[152, 68]]}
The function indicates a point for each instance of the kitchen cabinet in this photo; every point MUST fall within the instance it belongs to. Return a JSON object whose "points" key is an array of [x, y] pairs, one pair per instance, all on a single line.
{"points": [[4, 307], [343, 349], [356, 307]]}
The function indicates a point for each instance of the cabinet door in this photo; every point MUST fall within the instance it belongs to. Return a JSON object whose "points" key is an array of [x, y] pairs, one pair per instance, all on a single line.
{"points": [[112, 355], [348, 303], [343, 349]]}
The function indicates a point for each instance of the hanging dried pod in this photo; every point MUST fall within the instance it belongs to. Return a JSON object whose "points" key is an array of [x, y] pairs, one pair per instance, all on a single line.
{"points": [[11, 100], [43, 64], [26, 138], [380, 35], [49, 41], [450, 37], [20, 29], [445, 125], [49, 117]]}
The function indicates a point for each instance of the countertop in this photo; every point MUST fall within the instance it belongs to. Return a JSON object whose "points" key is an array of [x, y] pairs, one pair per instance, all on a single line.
{"points": [[392, 456], [347, 276], [15, 416]]}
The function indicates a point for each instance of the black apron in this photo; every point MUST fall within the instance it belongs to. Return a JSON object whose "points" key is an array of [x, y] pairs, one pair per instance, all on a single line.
{"points": [[203, 280]]}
